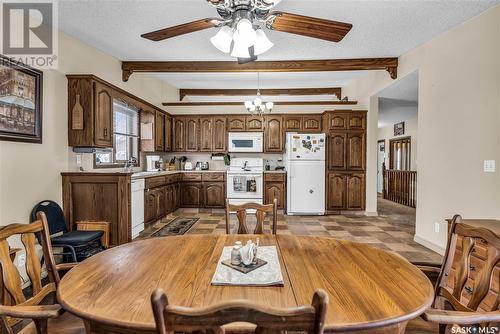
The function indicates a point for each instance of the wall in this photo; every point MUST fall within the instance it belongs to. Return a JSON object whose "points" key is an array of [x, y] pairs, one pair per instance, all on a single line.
{"points": [[458, 124], [30, 173], [387, 133]]}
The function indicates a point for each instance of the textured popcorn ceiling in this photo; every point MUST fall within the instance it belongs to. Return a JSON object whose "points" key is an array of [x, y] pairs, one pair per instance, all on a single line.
{"points": [[381, 29]]}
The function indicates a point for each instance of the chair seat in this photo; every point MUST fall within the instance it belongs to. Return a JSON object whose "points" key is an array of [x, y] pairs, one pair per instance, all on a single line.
{"points": [[65, 324], [77, 238], [420, 326]]}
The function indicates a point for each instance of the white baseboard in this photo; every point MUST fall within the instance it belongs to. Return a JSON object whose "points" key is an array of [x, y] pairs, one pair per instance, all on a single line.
{"points": [[432, 246], [371, 214]]}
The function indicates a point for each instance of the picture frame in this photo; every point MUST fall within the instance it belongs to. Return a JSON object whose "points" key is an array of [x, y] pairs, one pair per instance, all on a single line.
{"points": [[21, 89], [399, 129]]}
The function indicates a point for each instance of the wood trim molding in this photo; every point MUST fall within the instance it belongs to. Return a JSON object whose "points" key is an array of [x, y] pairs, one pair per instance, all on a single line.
{"points": [[327, 65], [281, 103], [337, 91]]}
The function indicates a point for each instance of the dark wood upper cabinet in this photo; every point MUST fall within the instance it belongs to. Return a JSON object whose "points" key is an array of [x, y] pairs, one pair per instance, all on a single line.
{"points": [[356, 191], [236, 123], [337, 121], [103, 122], [159, 131], [214, 194], [168, 134], [254, 123], [192, 132], [273, 134], [336, 191], [356, 151], [179, 134], [337, 154], [206, 134], [312, 123], [292, 123], [219, 144], [357, 122]]}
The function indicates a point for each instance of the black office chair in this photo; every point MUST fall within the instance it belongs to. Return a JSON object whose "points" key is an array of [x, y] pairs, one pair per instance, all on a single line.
{"points": [[77, 245]]}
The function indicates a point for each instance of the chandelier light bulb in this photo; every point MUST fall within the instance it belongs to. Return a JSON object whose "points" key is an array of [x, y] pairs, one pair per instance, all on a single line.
{"points": [[223, 39], [262, 43], [269, 105], [248, 104], [258, 101]]}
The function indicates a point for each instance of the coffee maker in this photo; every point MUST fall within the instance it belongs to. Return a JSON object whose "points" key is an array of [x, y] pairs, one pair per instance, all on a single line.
{"points": [[153, 163]]}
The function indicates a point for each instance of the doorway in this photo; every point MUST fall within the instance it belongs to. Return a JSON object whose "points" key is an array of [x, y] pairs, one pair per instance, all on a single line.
{"points": [[380, 165]]}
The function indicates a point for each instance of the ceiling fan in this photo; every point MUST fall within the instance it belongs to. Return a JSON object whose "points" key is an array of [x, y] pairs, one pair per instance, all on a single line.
{"points": [[241, 23]]}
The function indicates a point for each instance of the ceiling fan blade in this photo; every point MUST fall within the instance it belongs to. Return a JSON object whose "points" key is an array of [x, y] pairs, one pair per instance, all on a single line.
{"points": [[332, 31], [182, 29]]}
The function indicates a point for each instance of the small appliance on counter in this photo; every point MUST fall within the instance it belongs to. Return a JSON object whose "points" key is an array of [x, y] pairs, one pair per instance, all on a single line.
{"points": [[204, 165], [198, 165], [188, 165], [154, 163]]}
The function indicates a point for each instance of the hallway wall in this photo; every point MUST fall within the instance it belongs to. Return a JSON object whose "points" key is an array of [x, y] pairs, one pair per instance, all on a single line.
{"points": [[387, 133]]}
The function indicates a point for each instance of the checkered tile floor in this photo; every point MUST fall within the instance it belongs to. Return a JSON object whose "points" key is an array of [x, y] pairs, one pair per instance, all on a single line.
{"points": [[392, 230]]}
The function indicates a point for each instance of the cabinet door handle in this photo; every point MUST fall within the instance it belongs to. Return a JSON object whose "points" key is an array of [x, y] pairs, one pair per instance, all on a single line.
{"points": [[105, 132]]}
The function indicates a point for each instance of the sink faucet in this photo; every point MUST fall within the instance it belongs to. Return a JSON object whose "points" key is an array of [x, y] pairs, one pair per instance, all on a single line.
{"points": [[129, 164], [244, 165]]}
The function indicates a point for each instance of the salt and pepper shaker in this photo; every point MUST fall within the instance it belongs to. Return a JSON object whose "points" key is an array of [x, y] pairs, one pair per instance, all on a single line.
{"points": [[255, 252], [235, 254]]}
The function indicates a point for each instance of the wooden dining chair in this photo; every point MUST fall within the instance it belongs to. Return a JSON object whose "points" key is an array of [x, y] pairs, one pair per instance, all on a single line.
{"points": [[31, 308], [467, 287], [170, 319], [260, 214]]}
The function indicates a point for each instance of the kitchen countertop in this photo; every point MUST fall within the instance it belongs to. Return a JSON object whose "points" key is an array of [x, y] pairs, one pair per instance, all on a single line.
{"points": [[144, 175], [275, 171]]}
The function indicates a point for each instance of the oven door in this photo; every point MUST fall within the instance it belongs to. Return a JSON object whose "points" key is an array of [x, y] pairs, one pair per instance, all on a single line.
{"points": [[245, 142], [245, 185]]}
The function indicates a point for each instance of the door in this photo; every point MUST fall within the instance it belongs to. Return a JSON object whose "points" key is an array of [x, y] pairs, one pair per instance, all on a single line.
{"points": [[169, 198], [337, 188], [103, 122], [356, 151], [191, 195], [219, 135], [356, 192], [179, 134], [254, 123], [215, 194], [159, 131], [239, 185], [337, 154], [312, 123], [274, 190], [337, 121], [306, 187], [192, 125], [380, 164], [149, 205], [168, 134], [161, 209], [206, 134], [273, 134], [236, 123]]}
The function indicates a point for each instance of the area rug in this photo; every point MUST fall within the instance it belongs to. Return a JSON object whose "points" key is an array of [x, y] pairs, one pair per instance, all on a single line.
{"points": [[177, 226]]}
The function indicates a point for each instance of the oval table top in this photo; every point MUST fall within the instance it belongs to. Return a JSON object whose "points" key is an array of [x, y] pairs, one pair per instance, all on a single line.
{"points": [[366, 285]]}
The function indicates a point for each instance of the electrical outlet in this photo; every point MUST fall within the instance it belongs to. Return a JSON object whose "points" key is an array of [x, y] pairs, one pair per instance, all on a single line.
{"points": [[21, 260], [436, 227]]}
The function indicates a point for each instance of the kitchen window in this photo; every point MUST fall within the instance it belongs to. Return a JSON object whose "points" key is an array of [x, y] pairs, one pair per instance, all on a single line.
{"points": [[125, 137]]}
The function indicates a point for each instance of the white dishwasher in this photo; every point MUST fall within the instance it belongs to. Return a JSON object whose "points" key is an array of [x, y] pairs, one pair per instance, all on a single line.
{"points": [[137, 222]]}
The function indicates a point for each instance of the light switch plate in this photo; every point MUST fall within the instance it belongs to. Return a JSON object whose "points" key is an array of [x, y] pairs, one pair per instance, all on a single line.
{"points": [[489, 166]]}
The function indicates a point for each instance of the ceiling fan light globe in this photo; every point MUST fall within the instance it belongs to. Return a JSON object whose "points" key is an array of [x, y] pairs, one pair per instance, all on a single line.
{"points": [[262, 43], [223, 39], [240, 50], [245, 32]]}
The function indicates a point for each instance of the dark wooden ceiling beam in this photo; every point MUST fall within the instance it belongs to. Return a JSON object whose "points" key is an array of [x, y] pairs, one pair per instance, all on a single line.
{"points": [[337, 91], [329, 65], [281, 103]]}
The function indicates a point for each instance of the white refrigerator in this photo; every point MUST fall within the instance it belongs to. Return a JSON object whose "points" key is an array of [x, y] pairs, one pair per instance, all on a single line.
{"points": [[305, 165]]}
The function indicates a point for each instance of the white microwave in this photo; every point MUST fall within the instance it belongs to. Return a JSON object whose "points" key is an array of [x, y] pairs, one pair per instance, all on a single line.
{"points": [[245, 142]]}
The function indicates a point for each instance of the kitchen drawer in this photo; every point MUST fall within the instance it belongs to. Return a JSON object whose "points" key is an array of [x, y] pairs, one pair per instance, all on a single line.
{"points": [[191, 177], [154, 182], [274, 177], [172, 178], [213, 177]]}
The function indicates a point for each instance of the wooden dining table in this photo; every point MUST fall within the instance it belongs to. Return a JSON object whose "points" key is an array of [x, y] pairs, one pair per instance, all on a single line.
{"points": [[367, 287]]}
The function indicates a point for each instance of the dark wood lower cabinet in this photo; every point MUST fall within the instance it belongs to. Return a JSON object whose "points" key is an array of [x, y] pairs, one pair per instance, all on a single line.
{"points": [[191, 194], [275, 187], [345, 191], [214, 194]]}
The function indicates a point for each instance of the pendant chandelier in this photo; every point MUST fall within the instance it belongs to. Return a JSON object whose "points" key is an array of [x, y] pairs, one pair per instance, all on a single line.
{"points": [[257, 106]]}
